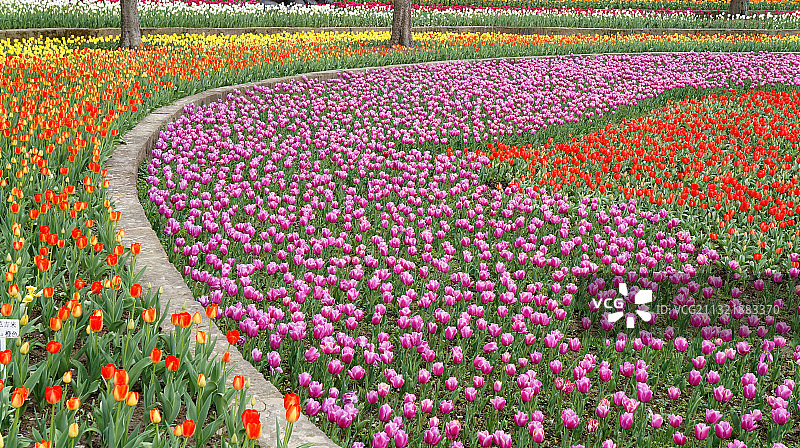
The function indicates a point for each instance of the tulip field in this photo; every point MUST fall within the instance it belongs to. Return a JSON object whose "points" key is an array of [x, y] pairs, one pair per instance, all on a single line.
{"points": [[453, 255], [448, 255], [224, 14]]}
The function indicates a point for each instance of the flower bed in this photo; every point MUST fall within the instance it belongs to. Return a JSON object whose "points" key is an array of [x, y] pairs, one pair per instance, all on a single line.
{"points": [[89, 362], [380, 273], [172, 13], [741, 177]]}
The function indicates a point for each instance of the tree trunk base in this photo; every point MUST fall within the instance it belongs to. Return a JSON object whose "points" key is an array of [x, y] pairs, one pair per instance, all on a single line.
{"points": [[739, 7], [130, 34], [401, 24]]}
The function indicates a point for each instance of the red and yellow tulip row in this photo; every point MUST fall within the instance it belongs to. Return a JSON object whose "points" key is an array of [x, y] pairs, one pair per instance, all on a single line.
{"points": [[731, 158]]}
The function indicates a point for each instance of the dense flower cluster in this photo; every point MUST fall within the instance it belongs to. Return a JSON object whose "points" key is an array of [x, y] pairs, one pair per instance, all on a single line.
{"points": [[229, 13], [731, 157], [390, 276]]}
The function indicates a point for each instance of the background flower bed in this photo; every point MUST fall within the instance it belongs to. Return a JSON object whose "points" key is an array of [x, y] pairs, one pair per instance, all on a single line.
{"points": [[384, 313], [169, 13]]}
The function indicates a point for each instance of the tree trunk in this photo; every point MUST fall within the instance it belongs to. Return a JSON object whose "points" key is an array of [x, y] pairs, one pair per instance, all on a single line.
{"points": [[739, 7], [401, 23], [130, 33]]}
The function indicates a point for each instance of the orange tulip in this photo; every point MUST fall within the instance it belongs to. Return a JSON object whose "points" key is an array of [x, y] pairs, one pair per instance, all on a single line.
{"points": [[155, 416], [121, 377], [5, 357], [132, 399], [252, 423], [73, 403], [233, 337], [19, 396], [120, 392], [250, 416], [155, 355], [53, 394], [188, 428], [149, 315], [77, 309], [136, 248], [53, 347], [96, 323], [201, 337], [6, 309], [55, 323], [111, 259], [172, 363], [293, 414], [136, 290], [182, 320], [43, 444], [212, 311], [238, 382], [290, 400], [108, 371]]}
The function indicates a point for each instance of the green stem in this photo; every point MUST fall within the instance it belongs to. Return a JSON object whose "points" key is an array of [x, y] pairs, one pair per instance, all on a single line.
{"points": [[52, 428], [287, 434]]}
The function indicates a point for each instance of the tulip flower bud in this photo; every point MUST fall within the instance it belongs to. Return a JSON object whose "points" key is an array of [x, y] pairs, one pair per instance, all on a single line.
{"points": [[73, 403], [238, 382], [8, 258], [252, 401], [201, 380], [131, 324], [160, 289], [67, 378], [73, 430], [178, 431], [25, 348], [201, 337], [155, 416], [197, 319], [247, 386], [132, 399], [23, 320], [234, 439]]}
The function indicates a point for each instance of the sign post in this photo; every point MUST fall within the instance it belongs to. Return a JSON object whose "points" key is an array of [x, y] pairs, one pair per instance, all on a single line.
{"points": [[9, 329]]}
